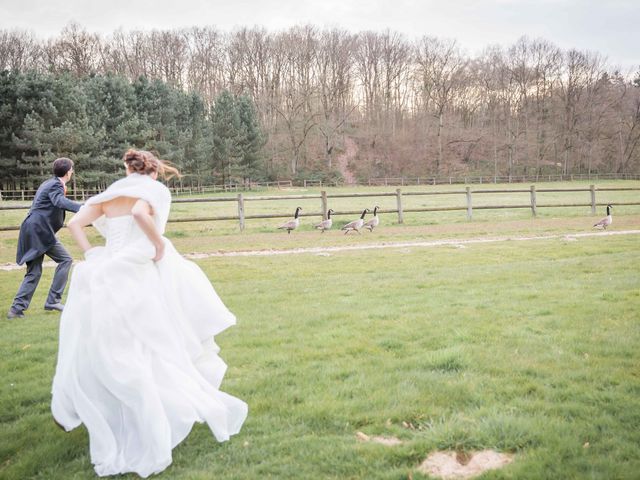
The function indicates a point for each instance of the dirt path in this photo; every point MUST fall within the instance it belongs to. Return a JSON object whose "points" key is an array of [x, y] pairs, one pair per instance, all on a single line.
{"points": [[350, 150], [458, 243]]}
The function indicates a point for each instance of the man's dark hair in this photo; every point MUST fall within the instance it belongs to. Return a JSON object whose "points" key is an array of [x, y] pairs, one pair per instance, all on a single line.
{"points": [[61, 166]]}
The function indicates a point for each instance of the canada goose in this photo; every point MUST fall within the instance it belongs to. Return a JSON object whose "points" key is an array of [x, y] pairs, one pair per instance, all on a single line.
{"points": [[606, 221], [325, 224], [374, 222], [291, 224], [356, 225]]}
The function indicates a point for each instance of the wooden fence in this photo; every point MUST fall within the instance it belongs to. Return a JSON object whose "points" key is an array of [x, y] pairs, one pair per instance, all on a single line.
{"points": [[182, 189], [177, 190], [324, 198], [495, 179]]}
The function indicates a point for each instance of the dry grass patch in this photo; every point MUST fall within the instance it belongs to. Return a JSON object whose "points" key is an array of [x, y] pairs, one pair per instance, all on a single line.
{"points": [[388, 441]]}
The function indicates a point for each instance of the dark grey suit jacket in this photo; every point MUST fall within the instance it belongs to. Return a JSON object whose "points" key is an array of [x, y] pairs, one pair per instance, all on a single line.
{"points": [[45, 218]]}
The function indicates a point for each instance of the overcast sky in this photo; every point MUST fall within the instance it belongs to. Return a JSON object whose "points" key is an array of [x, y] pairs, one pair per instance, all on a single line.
{"points": [[610, 27]]}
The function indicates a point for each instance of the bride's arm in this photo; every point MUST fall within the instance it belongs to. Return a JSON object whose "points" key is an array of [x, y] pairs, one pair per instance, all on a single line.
{"points": [[86, 215], [142, 212]]}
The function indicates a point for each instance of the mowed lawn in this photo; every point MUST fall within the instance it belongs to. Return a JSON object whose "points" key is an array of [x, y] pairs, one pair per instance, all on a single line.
{"points": [[528, 347], [262, 233]]}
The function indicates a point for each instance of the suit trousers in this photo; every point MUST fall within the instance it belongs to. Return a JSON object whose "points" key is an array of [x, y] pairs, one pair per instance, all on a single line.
{"points": [[58, 254]]}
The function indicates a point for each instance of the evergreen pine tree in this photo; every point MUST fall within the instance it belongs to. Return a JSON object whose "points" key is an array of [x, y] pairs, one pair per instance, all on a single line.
{"points": [[252, 139], [198, 146], [226, 136]]}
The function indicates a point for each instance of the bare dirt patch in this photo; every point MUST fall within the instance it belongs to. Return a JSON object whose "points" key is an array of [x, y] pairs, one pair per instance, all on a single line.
{"points": [[462, 465], [350, 151]]}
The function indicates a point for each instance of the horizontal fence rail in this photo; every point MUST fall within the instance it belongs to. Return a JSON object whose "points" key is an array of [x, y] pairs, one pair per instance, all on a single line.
{"points": [[81, 193], [481, 179], [324, 198], [182, 189]]}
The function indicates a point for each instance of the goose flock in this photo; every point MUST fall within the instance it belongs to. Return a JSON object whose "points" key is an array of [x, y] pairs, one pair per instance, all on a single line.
{"points": [[324, 225], [360, 223]]}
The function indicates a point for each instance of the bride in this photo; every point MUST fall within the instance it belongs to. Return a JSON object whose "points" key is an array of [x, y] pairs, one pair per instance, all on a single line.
{"points": [[137, 363]]}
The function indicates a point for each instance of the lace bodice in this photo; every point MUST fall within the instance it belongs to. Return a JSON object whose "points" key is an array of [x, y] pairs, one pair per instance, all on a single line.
{"points": [[121, 231]]}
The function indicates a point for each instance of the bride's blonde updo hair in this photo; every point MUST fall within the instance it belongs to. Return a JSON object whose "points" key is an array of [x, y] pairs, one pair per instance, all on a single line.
{"points": [[146, 163]]}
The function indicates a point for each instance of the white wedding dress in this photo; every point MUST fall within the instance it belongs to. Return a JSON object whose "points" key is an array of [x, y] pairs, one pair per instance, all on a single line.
{"points": [[137, 363]]}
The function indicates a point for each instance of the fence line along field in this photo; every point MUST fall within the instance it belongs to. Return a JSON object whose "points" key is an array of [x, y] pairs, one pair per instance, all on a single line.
{"points": [[262, 233], [528, 348], [412, 200], [186, 186]]}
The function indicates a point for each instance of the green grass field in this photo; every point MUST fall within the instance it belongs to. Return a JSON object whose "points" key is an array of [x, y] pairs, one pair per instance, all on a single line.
{"points": [[263, 234], [528, 347]]}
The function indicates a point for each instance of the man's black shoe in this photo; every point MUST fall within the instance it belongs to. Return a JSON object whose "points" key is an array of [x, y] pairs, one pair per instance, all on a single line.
{"points": [[14, 314], [54, 306]]}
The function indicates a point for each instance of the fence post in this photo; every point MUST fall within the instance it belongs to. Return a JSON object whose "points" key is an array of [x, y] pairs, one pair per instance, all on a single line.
{"points": [[241, 211], [323, 200], [593, 199], [399, 203], [469, 209], [534, 207]]}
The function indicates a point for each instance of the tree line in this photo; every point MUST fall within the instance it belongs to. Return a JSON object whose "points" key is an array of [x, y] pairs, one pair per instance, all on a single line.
{"points": [[377, 103], [94, 119]]}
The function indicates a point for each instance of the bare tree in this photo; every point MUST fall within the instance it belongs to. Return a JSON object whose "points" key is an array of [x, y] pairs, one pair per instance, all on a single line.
{"points": [[127, 54], [76, 51], [628, 119], [168, 56], [207, 57], [579, 71], [367, 56], [295, 106], [440, 66], [333, 71], [19, 51], [546, 63]]}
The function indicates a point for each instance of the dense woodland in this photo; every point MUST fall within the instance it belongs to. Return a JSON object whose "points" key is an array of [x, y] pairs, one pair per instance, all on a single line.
{"points": [[96, 118], [309, 103]]}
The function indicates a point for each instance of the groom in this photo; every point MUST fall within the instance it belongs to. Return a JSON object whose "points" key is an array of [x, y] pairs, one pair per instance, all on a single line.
{"points": [[38, 237]]}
